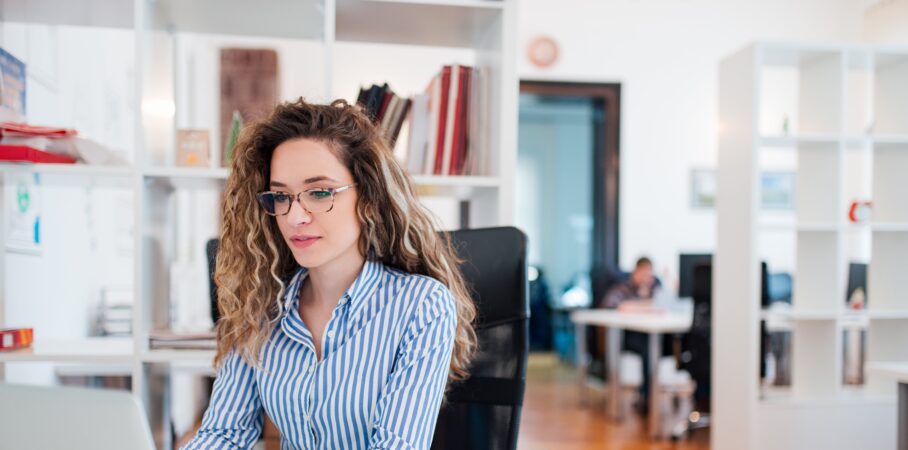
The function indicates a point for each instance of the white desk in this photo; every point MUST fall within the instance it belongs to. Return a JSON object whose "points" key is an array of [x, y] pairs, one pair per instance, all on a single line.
{"points": [[615, 323], [899, 371]]}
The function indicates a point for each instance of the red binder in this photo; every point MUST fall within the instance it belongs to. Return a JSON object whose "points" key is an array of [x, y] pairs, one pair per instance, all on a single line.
{"points": [[22, 153]]}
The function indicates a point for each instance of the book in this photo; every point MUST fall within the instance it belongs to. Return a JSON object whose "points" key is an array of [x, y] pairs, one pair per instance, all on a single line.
{"points": [[433, 119], [168, 339], [443, 96], [399, 118], [418, 139], [16, 338], [443, 167], [458, 138], [388, 115]]}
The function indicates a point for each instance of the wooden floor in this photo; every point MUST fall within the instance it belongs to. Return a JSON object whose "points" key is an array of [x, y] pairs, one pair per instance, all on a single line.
{"points": [[555, 418]]}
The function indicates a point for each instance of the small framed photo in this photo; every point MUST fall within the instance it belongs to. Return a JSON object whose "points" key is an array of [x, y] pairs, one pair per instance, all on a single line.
{"points": [[777, 190], [703, 189]]}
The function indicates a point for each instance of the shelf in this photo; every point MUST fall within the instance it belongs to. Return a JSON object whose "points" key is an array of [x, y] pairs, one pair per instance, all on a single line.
{"points": [[457, 181], [887, 314], [86, 13], [776, 397], [70, 169], [187, 177], [801, 227], [890, 227], [891, 139], [463, 187], [205, 357], [444, 23], [88, 350], [795, 140], [299, 19]]}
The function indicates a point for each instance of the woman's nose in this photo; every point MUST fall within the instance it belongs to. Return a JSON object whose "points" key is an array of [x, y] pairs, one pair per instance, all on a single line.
{"points": [[298, 215]]}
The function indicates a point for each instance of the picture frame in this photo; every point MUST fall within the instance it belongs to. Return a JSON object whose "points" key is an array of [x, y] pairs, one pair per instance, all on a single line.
{"points": [[703, 189]]}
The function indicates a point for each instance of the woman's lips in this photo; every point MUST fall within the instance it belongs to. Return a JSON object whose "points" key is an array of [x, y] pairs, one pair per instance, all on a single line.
{"points": [[303, 241]]}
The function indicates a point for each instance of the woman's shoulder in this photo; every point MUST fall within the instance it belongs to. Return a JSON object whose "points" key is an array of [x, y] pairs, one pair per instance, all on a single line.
{"points": [[420, 288]]}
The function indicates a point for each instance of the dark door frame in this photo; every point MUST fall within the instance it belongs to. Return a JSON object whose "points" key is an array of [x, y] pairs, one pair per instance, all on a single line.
{"points": [[606, 170]]}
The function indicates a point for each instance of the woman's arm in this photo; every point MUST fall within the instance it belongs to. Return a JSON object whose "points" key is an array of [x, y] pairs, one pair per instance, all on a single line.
{"points": [[234, 416], [408, 409]]}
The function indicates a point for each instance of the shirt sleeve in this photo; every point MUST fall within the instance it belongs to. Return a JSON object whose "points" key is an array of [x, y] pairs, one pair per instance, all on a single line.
{"points": [[615, 296], [234, 417], [409, 406]]}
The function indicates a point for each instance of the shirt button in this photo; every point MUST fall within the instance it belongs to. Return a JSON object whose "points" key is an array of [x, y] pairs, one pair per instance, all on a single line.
{"points": [[331, 334], [342, 301]]}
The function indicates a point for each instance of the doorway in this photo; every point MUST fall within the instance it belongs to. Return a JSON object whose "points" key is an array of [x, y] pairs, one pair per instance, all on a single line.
{"points": [[567, 199]]}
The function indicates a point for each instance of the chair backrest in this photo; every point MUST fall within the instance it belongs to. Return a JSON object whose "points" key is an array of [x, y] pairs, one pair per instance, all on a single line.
{"points": [[211, 251], [698, 342], [483, 412]]}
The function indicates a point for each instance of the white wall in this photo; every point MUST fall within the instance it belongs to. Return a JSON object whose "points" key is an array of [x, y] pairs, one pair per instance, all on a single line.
{"points": [[665, 54]]}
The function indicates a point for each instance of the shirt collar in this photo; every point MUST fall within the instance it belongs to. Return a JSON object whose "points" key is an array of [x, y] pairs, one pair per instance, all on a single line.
{"points": [[363, 286]]}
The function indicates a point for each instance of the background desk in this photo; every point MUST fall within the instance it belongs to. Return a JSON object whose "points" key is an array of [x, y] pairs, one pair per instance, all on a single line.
{"points": [[654, 324], [900, 372]]}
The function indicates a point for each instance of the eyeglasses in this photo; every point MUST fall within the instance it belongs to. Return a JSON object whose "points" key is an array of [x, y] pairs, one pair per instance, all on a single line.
{"points": [[317, 200]]}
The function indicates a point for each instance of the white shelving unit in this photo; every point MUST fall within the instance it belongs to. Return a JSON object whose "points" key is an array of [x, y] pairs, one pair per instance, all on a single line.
{"points": [[162, 31], [839, 115]]}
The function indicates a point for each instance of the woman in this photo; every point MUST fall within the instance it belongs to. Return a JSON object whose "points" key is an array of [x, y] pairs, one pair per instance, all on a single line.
{"points": [[343, 312]]}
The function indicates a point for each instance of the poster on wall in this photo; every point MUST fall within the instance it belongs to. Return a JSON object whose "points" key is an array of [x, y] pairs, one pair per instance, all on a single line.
{"points": [[703, 189], [777, 190], [23, 213]]}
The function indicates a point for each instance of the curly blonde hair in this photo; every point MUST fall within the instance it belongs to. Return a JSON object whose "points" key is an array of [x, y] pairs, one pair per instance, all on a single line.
{"points": [[254, 264]]}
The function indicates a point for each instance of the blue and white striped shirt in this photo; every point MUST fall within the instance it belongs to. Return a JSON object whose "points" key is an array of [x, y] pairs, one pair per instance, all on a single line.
{"points": [[386, 353]]}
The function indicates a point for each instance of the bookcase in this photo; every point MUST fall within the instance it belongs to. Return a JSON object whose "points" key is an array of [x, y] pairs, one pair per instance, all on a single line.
{"points": [[837, 117], [327, 49]]}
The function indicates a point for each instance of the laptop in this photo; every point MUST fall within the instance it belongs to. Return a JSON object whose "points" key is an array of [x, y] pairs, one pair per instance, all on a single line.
{"points": [[61, 418]]}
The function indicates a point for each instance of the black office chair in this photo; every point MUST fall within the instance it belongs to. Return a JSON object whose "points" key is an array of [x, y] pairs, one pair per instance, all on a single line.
{"points": [[697, 349], [211, 251], [483, 412]]}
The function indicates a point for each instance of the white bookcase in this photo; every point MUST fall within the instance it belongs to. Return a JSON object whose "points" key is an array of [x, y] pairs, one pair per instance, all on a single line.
{"points": [[314, 39], [837, 117]]}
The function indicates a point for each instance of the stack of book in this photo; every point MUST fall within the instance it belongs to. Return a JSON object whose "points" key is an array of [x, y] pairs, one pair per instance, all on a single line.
{"points": [[115, 312], [437, 132], [445, 124], [387, 109], [168, 339]]}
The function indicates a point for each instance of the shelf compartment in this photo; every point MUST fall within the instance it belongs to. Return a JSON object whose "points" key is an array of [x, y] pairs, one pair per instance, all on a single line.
{"points": [[886, 273], [890, 163], [91, 350], [449, 23], [816, 359], [817, 183], [299, 19], [890, 95], [815, 285]]}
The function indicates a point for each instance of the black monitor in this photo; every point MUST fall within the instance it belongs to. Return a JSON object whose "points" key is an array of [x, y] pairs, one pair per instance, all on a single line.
{"points": [[857, 278], [688, 263]]}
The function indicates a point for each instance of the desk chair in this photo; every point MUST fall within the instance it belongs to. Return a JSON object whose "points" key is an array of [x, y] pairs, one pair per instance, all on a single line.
{"points": [[483, 412], [62, 418], [697, 350]]}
